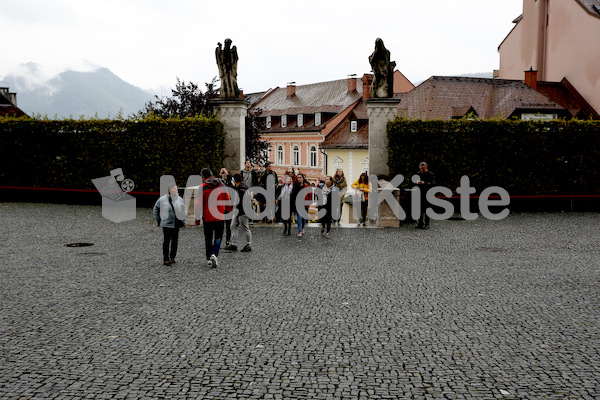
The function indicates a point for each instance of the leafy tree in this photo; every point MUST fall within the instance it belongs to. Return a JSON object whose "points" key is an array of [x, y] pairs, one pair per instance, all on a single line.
{"points": [[187, 101], [256, 149]]}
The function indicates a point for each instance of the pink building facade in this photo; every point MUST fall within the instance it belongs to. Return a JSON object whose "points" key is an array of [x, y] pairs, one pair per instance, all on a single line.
{"points": [[558, 39]]}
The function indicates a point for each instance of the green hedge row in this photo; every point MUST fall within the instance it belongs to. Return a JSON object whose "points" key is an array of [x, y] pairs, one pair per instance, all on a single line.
{"points": [[523, 157], [70, 153]]}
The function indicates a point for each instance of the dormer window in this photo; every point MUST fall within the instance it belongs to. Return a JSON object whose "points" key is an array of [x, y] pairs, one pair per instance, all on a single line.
{"points": [[300, 119], [283, 121], [318, 119], [268, 122], [353, 126]]}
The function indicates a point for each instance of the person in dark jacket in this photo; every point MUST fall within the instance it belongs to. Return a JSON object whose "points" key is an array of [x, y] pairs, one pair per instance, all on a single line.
{"points": [[425, 182], [240, 217], [213, 223], [327, 191], [228, 182]]}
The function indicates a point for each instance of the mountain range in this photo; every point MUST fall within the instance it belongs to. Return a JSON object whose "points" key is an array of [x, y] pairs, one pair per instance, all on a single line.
{"points": [[98, 93], [72, 94]]}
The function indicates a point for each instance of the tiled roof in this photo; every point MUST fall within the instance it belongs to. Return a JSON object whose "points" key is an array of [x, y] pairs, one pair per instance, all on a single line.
{"points": [[327, 97], [10, 110], [591, 6], [341, 137], [442, 97]]}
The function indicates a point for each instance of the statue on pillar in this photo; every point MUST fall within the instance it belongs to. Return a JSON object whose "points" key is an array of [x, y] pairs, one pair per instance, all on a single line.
{"points": [[227, 59], [383, 71]]}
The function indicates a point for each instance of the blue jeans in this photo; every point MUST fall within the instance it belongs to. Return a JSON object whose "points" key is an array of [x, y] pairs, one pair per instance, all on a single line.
{"points": [[300, 221], [213, 235]]}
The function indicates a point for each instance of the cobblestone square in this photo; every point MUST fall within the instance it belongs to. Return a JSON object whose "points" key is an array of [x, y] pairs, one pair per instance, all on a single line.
{"points": [[466, 310]]}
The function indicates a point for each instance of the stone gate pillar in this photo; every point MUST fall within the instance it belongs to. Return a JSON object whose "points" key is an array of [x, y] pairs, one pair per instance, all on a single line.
{"points": [[380, 111], [232, 113]]}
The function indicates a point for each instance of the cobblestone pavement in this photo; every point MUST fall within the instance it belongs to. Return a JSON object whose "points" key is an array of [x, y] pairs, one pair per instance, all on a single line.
{"points": [[467, 310]]}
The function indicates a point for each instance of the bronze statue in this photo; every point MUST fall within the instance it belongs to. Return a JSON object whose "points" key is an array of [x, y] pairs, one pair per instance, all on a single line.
{"points": [[227, 59], [383, 71]]}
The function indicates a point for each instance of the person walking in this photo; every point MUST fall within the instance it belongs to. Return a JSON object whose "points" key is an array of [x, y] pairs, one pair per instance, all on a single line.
{"points": [[300, 184], [213, 224], [363, 188], [228, 182], [166, 211], [339, 180], [327, 191], [285, 196], [240, 218], [249, 175], [263, 183], [425, 182]]}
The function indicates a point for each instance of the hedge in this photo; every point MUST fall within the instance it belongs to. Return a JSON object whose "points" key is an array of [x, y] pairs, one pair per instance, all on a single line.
{"points": [[70, 153], [523, 157]]}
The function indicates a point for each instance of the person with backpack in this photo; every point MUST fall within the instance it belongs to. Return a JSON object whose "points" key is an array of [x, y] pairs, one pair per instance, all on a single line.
{"points": [[213, 195], [166, 211]]}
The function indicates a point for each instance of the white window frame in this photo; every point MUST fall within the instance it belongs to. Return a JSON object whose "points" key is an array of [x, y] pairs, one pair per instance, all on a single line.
{"points": [[295, 155], [280, 155], [313, 156], [353, 126], [268, 122], [318, 119], [365, 165], [283, 120], [337, 163], [300, 119]]}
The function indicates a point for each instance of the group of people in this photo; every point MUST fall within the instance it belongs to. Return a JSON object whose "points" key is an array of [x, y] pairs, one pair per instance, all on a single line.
{"points": [[170, 211]]}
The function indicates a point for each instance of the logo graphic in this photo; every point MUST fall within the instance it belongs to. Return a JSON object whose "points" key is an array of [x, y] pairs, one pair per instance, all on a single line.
{"points": [[117, 204]]}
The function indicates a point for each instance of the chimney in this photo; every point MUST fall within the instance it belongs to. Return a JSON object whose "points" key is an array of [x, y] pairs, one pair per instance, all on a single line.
{"points": [[241, 94], [531, 79], [291, 89], [352, 83], [367, 79]]}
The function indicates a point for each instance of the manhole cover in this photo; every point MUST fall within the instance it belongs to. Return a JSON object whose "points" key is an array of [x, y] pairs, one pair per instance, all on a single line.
{"points": [[82, 244], [491, 249]]}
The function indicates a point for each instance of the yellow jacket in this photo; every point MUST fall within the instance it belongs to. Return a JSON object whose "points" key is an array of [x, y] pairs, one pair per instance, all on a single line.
{"points": [[365, 188]]}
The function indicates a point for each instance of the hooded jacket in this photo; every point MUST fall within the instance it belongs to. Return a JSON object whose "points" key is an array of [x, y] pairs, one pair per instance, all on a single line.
{"points": [[206, 200]]}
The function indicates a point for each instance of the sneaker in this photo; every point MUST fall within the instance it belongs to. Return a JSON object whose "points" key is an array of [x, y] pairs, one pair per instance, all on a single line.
{"points": [[231, 247], [246, 248], [328, 236], [227, 243], [300, 234], [322, 231], [209, 263], [213, 261]]}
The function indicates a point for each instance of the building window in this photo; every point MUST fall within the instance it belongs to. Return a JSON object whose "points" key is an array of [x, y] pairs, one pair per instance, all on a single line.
{"points": [[280, 155], [365, 165], [296, 155], [353, 126], [283, 121], [313, 156], [268, 122], [265, 155], [337, 163], [317, 118], [300, 119]]}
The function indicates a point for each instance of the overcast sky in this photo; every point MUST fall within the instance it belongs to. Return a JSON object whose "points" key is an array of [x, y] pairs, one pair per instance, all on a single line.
{"points": [[149, 43]]}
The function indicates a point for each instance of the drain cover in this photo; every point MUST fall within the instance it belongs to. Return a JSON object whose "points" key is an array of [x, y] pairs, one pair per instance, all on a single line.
{"points": [[491, 249], [83, 244]]}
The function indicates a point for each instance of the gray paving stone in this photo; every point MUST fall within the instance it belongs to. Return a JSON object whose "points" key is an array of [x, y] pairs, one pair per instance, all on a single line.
{"points": [[466, 310]]}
